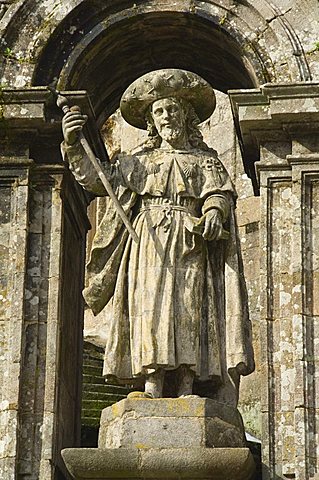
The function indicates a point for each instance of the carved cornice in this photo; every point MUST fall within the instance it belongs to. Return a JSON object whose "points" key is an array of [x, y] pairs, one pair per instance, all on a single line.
{"points": [[273, 113], [30, 116]]}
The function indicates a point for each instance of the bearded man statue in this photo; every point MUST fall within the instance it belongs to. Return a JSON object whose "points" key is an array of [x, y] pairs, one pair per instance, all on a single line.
{"points": [[177, 299]]}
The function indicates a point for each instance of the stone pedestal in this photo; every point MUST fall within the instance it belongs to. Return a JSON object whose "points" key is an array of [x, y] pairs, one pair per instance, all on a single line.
{"points": [[171, 423], [279, 126], [166, 438]]}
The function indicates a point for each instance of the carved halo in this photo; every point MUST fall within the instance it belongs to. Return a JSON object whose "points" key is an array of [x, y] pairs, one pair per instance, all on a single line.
{"points": [[162, 84]]}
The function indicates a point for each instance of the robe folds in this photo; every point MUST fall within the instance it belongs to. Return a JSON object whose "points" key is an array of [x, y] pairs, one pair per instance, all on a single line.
{"points": [[173, 298]]}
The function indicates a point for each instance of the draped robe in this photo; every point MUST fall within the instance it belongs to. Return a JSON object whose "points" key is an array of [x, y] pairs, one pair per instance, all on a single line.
{"points": [[174, 298]]}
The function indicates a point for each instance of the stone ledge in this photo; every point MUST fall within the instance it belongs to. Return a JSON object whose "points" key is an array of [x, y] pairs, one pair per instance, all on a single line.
{"points": [[160, 464]]}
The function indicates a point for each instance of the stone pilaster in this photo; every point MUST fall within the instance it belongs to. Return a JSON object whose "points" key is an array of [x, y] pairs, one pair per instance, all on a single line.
{"points": [[278, 127], [42, 243], [14, 177]]}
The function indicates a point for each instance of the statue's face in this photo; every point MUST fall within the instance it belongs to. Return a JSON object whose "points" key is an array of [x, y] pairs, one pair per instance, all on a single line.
{"points": [[169, 118]]}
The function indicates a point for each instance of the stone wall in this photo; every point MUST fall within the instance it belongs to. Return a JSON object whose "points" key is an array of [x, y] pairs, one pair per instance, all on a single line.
{"points": [[101, 47], [284, 121], [42, 268]]}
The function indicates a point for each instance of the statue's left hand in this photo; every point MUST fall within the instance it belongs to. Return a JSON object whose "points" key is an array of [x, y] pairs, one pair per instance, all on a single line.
{"points": [[213, 225]]}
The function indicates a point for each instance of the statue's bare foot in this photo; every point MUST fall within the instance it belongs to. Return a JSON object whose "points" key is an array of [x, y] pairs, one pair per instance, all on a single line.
{"points": [[186, 384], [154, 384]]}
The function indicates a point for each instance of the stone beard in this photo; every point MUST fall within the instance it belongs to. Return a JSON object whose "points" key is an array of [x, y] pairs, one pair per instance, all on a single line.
{"points": [[176, 301], [169, 120]]}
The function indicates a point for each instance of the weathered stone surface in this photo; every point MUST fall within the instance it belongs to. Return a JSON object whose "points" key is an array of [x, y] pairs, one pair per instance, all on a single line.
{"points": [[170, 423], [285, 130], [13, 243], [40, 379], [169, 463]]}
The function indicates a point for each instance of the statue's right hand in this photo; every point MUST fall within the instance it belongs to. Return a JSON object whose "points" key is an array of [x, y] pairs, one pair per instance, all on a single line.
{"points": [[72, 124]]}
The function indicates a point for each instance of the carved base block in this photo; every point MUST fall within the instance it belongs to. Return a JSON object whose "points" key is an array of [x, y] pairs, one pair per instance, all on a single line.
{"points": [[160, 464], [171, 423]]}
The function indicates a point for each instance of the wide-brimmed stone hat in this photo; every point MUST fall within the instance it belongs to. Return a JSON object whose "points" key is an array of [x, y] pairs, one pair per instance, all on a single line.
{"points": [[165, 83]]}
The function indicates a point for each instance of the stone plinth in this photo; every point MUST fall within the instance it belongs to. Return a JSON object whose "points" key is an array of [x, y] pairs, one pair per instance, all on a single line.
{"points": [[170, 423], [166, 438], [169, 463]]}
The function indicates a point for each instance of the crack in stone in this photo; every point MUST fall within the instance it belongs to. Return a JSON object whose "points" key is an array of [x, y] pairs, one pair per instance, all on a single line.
{"points": [[303, 67], [277, 14]]}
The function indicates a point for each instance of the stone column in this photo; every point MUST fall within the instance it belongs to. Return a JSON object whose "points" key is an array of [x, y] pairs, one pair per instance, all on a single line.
{"points": [[42, 244], [278, 126]]}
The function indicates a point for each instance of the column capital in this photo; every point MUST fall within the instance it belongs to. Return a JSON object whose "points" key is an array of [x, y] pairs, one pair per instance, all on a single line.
{"points": [[276, 113], [30, 120]]}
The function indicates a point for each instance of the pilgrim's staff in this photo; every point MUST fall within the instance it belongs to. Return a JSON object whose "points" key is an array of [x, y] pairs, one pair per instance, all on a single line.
{"points": [[62, 102]]}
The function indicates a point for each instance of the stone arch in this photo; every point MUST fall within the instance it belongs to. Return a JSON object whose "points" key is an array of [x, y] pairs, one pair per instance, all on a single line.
{"points": [[81, 42], [106, 61]]}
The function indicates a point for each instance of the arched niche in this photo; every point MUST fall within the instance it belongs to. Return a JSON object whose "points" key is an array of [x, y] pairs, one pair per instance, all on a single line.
{"points": [[111, 56], [102, 46], [103, 51]]}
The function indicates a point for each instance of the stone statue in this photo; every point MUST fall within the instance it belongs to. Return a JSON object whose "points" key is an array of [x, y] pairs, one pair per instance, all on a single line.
{"points": [[177, 299]]}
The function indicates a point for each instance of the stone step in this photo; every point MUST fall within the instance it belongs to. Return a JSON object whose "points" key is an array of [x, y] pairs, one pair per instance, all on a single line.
{"points": [[92, 379], [92, 362], [99, 388], [94, 413], [91, 395], [98, 405], [92, 350], [90, 421], [91, 373], [91, 370]]}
